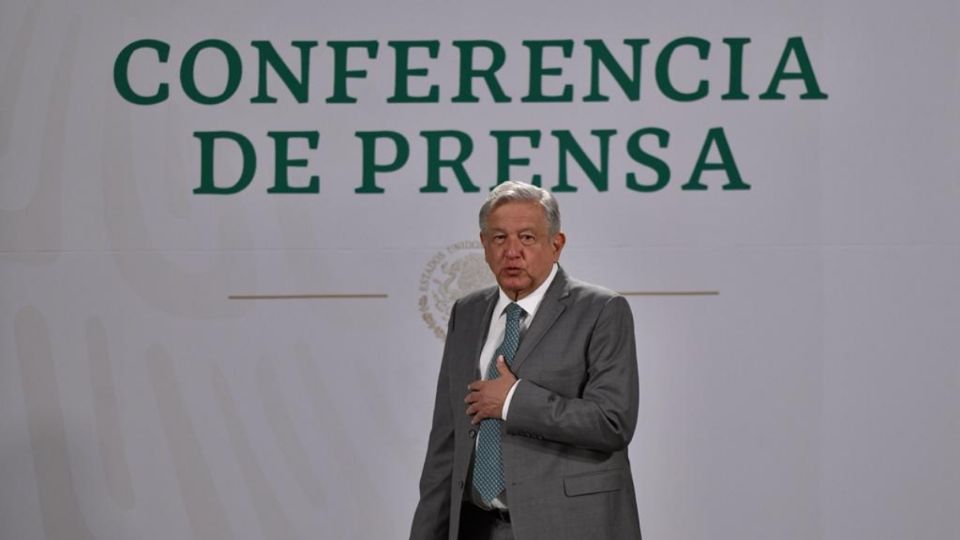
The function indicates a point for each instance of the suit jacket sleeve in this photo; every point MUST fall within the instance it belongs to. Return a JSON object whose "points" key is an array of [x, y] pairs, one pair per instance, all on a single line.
{"points": [[431, 520], [604, 415]]}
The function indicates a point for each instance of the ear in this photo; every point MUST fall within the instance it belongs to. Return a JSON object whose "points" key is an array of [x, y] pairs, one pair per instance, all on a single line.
{"points": [[558, 241]]}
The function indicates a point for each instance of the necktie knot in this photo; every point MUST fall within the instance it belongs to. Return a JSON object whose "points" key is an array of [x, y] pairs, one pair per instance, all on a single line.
{"points": [[514, 313]]}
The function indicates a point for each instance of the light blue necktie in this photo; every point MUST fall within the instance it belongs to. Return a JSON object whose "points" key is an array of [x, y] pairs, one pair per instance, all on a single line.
{"points": [[488, 462]]}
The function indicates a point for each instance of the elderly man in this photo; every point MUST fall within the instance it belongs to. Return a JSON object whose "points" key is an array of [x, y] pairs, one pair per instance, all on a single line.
{"points": [[537, 397]]}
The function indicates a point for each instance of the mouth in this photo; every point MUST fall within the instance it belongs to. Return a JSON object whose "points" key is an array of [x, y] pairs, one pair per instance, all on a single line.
{"points": [[512, 271]]}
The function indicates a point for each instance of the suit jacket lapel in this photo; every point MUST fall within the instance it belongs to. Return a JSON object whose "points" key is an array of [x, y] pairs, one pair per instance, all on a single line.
{"points": [[471, 361], [550, 309]]}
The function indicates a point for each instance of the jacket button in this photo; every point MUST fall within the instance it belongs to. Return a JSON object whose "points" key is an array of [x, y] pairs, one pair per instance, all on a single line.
{"points": [[472, 433], [460, 484]]}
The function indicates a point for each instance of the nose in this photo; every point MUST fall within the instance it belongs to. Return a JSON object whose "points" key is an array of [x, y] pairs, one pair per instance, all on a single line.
{"points": [[512, 247]]}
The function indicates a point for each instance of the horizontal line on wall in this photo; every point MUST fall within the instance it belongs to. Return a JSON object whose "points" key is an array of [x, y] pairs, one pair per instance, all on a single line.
{"points": [[670, 293], [336, 296], [370, 296], [592, 249]]}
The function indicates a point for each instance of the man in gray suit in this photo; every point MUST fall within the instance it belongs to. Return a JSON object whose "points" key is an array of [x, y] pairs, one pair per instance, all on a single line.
{"points": [[536, 448]]}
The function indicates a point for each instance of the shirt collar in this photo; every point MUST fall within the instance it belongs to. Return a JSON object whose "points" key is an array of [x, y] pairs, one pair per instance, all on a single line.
{"points": [[531, 302]]}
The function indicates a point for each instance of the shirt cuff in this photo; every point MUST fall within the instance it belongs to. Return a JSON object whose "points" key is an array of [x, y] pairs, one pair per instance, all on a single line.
{"points": [[506, 402]]}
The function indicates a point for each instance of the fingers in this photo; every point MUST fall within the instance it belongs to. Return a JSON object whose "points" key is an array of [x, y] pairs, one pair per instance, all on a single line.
{"points": [[475, 408], [475, 414], [484, 397], [475, 404]]}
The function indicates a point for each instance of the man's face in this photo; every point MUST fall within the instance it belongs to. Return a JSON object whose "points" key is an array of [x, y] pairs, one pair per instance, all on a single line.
{"points": [[518, 247]]}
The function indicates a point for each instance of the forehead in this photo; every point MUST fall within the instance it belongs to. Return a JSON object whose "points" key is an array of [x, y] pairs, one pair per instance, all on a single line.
{"points": [[517, 214]]}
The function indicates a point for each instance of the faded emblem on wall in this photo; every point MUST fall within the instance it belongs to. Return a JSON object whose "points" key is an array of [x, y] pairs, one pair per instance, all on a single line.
{"points": [[451, 273]]}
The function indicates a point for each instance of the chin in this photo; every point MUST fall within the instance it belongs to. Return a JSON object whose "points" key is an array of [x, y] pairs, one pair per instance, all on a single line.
{"points": [[514, 284]]}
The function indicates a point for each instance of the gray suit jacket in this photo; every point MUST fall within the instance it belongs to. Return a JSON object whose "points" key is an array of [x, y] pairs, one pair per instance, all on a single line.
{"points": [[572, 415]]}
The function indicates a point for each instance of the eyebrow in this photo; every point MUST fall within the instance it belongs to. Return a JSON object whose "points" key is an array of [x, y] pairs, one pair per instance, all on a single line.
{"points": [[521, 231]]}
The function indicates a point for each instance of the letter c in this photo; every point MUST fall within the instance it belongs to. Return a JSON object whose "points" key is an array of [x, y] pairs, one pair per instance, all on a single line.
{"points": [[120, 72]]}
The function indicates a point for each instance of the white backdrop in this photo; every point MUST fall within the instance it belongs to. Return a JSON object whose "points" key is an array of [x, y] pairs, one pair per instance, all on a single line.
{"points": [[815, 396]]}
